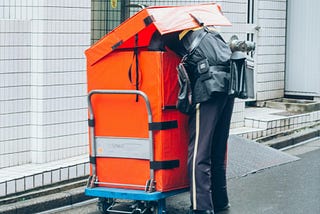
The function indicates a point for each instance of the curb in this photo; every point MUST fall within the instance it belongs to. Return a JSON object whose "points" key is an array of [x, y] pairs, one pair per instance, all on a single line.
{"points": [[292, 140], [48, 202], [50, 197], [291, 137]]}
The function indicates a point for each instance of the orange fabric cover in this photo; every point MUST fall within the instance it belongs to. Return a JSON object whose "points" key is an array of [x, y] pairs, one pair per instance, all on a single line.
{"points": [[122, 116], [164, 19]]}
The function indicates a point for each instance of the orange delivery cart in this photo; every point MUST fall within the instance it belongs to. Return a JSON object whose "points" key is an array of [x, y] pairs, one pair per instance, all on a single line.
{"points": [[138, 140]]}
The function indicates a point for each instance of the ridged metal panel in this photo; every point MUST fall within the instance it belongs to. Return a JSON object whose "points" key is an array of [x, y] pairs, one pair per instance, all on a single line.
{"points": [[303, 48]]}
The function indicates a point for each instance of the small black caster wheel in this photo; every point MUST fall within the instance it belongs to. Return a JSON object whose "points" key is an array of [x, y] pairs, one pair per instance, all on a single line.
{"points": [[104, 204]]}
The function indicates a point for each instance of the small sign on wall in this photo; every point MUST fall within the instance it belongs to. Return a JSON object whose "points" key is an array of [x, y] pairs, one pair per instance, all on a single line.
{"points": [[114, 3]]}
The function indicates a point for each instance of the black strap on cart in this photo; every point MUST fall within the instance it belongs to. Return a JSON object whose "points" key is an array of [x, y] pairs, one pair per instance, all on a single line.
{"points": [[135, 56], [168, 164]]}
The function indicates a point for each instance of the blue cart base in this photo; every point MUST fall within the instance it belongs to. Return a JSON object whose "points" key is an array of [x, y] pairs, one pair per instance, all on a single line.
{"points": [[136, 195]]}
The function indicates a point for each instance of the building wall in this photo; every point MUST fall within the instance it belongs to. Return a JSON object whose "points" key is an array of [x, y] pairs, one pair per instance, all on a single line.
{"points": [[270, 53], [15, 68], [302, 61], [43, 80], [43, 69]]}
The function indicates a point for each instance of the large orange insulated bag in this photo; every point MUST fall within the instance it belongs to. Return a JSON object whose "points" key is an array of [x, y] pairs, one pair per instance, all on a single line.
{"points": [[138, 139]]}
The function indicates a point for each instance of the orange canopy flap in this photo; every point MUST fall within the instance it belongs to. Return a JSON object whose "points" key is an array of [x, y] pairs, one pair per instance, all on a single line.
{"points": [[166, 19]]}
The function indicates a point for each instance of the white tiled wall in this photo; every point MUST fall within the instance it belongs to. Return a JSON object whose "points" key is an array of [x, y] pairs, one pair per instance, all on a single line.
{"points": [[237, 119], [15, 66], [43, 80], [61, 33], [271, 49]]}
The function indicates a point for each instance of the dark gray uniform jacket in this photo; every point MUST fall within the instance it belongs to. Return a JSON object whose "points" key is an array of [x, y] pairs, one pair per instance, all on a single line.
{"points": [[217, 52]]}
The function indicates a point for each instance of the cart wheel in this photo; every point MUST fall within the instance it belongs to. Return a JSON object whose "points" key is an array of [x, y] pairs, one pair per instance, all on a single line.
{"points": [[104, 204], [157, 207], [153, 210]]}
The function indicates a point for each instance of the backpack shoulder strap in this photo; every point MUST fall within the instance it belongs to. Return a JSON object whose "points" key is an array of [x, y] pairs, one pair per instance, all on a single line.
{"points": [[195, 43]]}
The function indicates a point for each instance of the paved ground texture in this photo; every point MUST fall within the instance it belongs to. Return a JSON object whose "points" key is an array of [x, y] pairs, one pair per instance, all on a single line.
{"points": [[282, 183]]}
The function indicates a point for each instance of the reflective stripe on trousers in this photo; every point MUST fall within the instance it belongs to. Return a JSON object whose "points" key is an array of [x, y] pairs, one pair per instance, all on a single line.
{"points": [[209, 131]]}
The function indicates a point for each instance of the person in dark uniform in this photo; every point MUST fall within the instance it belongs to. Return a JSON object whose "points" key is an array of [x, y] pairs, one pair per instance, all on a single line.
{"points": [[209, 123]]}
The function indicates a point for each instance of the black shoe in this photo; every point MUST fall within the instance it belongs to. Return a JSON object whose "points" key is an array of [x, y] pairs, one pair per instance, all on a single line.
{"points": [[220, 209]]}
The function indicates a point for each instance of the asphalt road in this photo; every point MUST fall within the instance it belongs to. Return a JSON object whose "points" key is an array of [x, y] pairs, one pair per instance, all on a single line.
{"points": [[292, 188]]}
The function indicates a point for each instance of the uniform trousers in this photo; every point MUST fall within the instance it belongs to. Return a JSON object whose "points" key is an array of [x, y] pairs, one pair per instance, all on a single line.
{"points": [[207, 152]]}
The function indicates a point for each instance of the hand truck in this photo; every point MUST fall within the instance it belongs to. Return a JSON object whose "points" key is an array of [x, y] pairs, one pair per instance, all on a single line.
{"points": [[145, 201]]}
